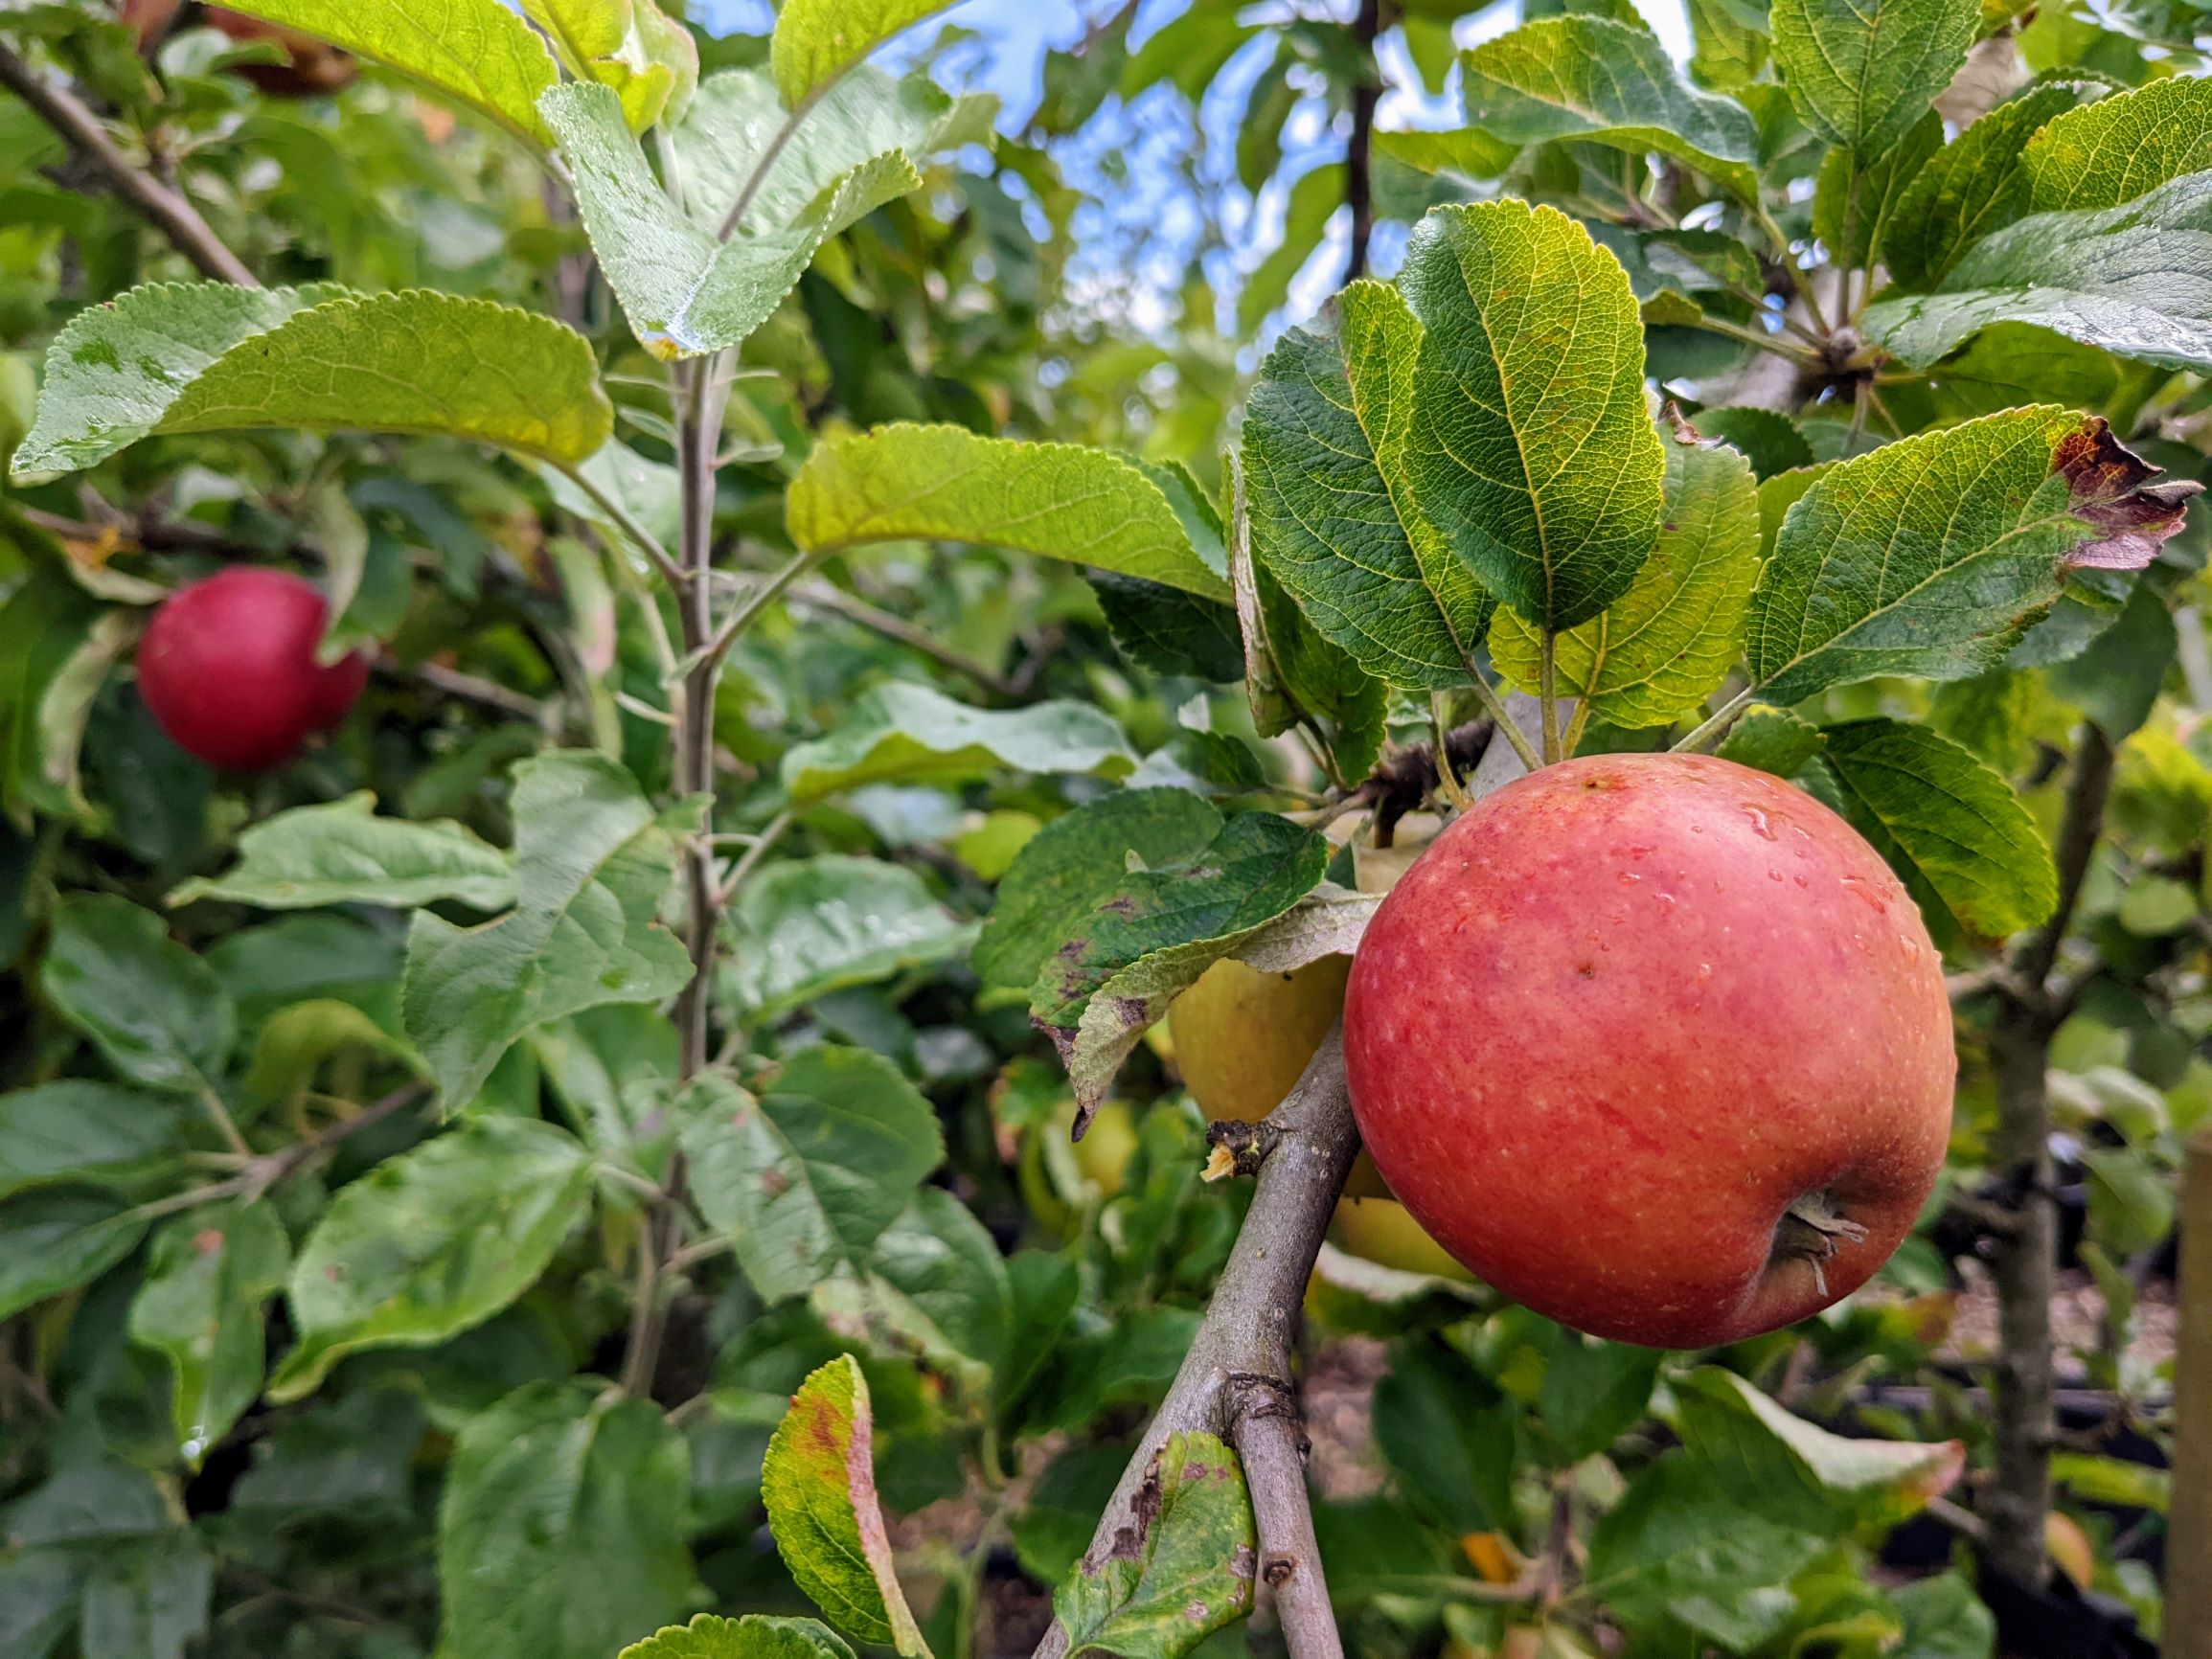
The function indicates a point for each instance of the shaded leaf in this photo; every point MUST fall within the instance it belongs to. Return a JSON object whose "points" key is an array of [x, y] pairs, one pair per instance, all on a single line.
{"points": [[341, 853], [1771, 442], [899, 732], [56, 1240], [806, 1177], [1531, 449], [905, 483], [153, 1009], [1170, 631], [201, 359], [1661, 647], [819, 1484], [1857, 200], [1772, 739], [591, 866], [1334, 518], [561, 1535], [77, 1130], [1188, 1571], [1449, 1436], [808, 926], [432, 1242], [1950, 827]]}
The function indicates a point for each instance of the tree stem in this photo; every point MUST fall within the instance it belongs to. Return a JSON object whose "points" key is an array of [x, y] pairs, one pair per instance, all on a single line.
{"points": [[2189, 1527], [1359, 166], [167, 210]]}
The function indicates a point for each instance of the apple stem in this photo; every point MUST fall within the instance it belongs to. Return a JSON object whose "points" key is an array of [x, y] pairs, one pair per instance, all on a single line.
{"points": [[1810, 1231], [1551, 698]]}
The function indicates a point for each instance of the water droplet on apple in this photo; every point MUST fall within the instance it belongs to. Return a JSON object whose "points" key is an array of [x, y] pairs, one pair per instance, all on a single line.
{"points": [[1704, 971], [1628, 879], [1758, 825]]}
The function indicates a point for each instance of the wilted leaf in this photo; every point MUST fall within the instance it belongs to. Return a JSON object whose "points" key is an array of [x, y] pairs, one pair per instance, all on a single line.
{"points": [[1662, 646], [1531, 449], [432, 1242], [591, 866], [1931, 555], [1950, 826], [1183, 1571], [561, 1535], [1861, 74], [819, 1484], [1334, 518], [475, 51], [1612, 83], [343, 853], [207, 1277], [806, 1178], [1074, 864], [907, 483], [212, 359], [901, 733]]}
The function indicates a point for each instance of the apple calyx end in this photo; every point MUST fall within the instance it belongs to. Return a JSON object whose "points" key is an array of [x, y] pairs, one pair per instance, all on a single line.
{"points": [[1811, 1231]]}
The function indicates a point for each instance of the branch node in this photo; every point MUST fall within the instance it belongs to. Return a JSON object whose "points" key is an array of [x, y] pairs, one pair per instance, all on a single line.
{"points": [[1277, 1569], [1246, 1146], [1253, 1395]]}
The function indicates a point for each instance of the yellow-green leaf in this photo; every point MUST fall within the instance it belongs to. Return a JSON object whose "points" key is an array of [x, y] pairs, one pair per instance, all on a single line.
{"points": [[817, 41]]}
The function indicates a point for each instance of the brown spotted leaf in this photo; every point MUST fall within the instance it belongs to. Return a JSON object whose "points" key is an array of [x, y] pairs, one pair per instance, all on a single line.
{"points": [[818, 1482], [1180, 1572]]}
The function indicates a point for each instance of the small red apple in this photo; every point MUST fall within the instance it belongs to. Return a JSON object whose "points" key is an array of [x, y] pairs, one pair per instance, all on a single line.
{"points": [[1656, 1045], [228, 669]]}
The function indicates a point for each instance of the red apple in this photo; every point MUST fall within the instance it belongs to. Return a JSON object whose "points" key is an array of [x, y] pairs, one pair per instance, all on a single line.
{"points": [[312, 67], [1658, 1046], [228, 669]]}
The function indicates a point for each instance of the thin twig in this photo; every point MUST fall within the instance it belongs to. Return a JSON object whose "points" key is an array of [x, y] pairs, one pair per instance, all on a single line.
{"points": [[168, 211], [647, 543], [749, 611], [470, 688], [1494, 706], [824, 596], [749, 861]]}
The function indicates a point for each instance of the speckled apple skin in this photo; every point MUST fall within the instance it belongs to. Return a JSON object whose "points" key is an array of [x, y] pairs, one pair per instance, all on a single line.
{"points": [[1621, 1016]]}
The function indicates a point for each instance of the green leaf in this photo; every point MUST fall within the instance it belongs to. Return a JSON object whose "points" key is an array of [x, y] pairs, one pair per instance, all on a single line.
{"points": [[149, 1006], [2134, 280], [651, 63], [207, 1277], [723, 146], [1187, 1573], [1950, 826], [1732, 44], [1531, 449], [77, 1130], [475, 51], [2132, 1199], [1931, 555], [1469, 152], [432, 1242], [1679, 1546], [38, 1599], [164, 358], [818, 40], [1773, 739], [592, 864], [806, 1178], [561, 1535], [1944, 1618], [684, 288], [1449, 1436], [1593, 1393], [1611, 84], [1796, 1473], [899, 732], [1771, 443], [1076, 863], [1170, 631], [1334, 518], [1657, 651], [819, 1484], [1856, 200], [807, 927], [48, 628], [935, 1290], [750, 1636], [1977, 184], [903, 483], [341, 853], [1861, 72], [294, 1043], [54, 1241], [2122, 147], [147, 1598]]}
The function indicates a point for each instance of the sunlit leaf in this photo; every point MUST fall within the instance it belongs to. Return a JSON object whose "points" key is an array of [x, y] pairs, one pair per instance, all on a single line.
{"points": [[818, 40], [343, 853], [900, 731], [1861, 73]]}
